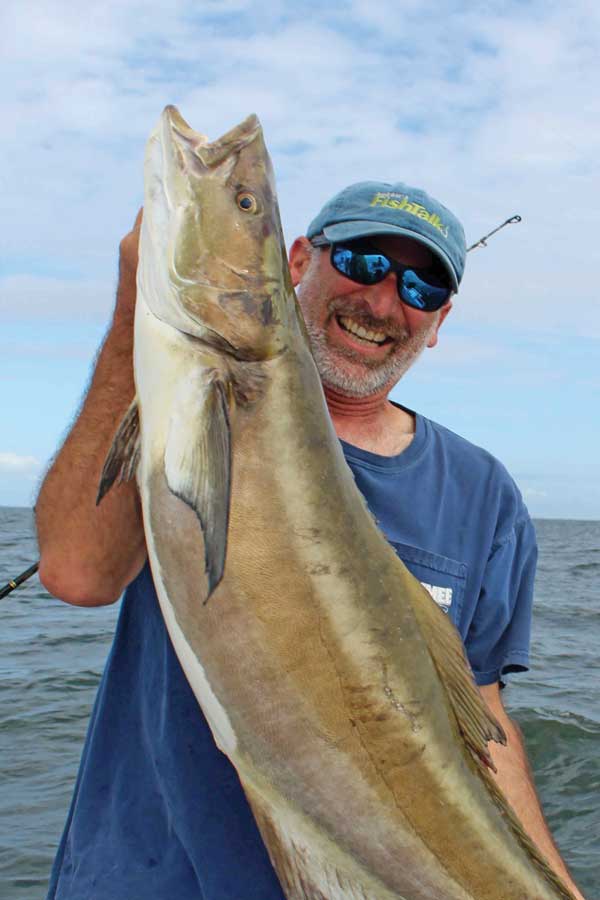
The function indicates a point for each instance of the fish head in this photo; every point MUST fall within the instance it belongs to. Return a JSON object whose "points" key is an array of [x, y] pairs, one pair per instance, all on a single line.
{"points": [[217, 265]]}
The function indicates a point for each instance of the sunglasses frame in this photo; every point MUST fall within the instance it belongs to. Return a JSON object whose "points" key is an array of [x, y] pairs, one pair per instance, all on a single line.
{"points": [[398, 268]]}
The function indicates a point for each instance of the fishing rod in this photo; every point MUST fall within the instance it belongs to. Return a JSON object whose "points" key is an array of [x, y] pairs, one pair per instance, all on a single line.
{"points": [[15, 582], [482, 242]]}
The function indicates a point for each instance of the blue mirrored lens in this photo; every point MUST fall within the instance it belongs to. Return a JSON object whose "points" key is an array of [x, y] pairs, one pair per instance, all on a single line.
{"points": [[366, 268], [420, 294]]}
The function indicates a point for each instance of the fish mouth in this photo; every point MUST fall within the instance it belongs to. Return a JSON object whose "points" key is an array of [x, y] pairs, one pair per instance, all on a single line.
{"points": [[195, 150], [175, 122]]}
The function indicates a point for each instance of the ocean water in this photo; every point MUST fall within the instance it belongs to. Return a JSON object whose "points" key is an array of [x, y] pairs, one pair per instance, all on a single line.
{"points": [[52, 655]]}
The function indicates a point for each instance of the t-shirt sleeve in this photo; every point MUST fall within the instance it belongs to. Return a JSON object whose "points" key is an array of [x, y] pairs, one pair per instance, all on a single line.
{"points": [[500, 631]]}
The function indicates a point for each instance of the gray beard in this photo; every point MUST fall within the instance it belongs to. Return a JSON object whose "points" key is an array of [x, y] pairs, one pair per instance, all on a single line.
{"points": [[374, 376]]}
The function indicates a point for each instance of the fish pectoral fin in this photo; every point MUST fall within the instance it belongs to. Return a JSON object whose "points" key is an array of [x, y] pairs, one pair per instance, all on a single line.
{"points": [[198, 463], [124, 454], [477, 724]]}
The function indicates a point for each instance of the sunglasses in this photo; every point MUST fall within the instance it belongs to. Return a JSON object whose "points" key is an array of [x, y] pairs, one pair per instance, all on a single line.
{"points": [[424, 289]]}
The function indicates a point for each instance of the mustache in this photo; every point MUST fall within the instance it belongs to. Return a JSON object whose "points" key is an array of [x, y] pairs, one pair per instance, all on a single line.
{"points": [[359, 311]]}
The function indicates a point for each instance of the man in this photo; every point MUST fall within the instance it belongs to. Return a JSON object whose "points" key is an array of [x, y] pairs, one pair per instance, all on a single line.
{"points": [[157, 810]]}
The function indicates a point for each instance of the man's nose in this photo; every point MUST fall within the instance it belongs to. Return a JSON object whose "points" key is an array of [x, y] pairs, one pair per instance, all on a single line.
{"points": [[383, 297]]}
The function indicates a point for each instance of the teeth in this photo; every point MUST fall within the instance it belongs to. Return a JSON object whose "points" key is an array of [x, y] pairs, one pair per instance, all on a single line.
{"points": [[376, 337]]}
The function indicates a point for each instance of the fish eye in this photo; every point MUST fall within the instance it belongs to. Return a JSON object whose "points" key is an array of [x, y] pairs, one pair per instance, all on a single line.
{"points": [[247, 202]]}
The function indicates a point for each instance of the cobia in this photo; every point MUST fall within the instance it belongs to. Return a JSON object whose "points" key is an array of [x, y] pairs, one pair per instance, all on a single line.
{"points": [[333, 683]]}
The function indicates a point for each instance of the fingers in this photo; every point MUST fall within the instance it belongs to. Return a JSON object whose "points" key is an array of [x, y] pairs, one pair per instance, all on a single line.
{"points": [[129, 247], [128, 263]]}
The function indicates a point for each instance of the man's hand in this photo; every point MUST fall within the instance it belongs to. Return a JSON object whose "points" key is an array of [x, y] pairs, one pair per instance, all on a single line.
{"points": [[516, 781], [128, 263]]}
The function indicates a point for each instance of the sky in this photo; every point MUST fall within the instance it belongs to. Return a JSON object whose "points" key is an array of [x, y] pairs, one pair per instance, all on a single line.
{"points": [[491, 107]]}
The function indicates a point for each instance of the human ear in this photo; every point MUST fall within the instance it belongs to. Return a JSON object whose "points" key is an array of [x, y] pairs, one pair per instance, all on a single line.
{"points": [[443, 313], [300, 256]]}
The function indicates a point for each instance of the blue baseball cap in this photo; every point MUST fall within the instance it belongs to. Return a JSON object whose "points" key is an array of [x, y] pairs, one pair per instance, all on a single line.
{"points": [[374, 207]]}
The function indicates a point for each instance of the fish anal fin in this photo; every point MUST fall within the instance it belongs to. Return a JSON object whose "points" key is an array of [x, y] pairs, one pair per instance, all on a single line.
{"points": [[537, 858], [476, 722], [198, 463], [123, 457]]}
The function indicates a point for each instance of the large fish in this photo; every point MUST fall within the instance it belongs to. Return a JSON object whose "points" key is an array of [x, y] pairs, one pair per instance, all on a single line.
{"points": [[333, 683]]}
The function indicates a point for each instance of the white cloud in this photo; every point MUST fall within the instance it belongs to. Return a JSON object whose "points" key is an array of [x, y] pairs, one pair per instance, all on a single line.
{"points": [[493, 109], [22, 465], [470, 105], [533, 493], [36, 297]]}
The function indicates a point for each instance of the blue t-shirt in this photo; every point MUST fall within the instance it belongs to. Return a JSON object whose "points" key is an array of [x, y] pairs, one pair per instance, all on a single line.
{"points": [[158, 811]]}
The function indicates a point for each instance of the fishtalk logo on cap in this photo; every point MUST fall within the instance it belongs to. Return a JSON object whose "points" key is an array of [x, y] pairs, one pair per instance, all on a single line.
{"points": [[401, 201], [371, 207]]}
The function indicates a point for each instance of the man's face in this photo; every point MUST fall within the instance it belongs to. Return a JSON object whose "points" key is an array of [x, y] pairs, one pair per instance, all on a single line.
{"points": [[363, 337]]}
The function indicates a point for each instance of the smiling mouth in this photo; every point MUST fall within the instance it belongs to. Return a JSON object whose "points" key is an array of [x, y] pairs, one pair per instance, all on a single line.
{"points": [[364, 335]]}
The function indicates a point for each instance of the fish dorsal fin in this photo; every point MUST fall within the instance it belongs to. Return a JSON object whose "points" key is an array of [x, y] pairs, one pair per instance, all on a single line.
{"points": [[198, 463], [123, 457], [475, 721]]}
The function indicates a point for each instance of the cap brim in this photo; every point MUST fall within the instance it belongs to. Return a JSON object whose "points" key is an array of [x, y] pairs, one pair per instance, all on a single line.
{"points": [[346, 231]]}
